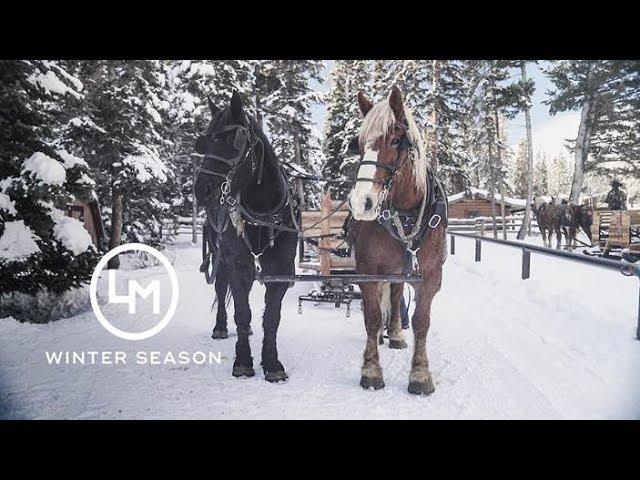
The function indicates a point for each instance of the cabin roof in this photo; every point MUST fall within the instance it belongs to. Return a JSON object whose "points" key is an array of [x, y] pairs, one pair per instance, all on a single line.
{"points": [[482, 193]]}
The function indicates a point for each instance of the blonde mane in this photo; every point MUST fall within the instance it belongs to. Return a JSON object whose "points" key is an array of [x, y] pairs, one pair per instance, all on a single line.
{"points": [[379, 122]]}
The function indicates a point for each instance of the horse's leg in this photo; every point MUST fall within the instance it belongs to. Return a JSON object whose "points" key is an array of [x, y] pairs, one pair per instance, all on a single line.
{"points": [[222, 285], [241, 279], [558, 238], [371, 371], [420, 382], [396, 336], [273, 369]]}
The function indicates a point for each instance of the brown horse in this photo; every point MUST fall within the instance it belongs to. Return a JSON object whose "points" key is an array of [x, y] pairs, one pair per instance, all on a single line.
{"points": [[393, 177], [551, 218], [581, 218]]}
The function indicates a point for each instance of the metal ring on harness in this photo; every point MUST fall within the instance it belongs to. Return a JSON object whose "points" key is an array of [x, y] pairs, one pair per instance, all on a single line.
{"points": [[431, 224]]}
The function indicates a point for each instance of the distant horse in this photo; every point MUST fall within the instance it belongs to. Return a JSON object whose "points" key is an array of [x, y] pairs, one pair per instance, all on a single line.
{"points": [[394, 191], [242, 188], [551, 217], [581, 218]]}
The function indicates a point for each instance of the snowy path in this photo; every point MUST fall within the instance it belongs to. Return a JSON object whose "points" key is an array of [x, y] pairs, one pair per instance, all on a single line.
{"points": [[559, 345]]}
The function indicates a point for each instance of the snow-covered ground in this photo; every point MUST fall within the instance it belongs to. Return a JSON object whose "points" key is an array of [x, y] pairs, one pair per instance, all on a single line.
{"points": [[559, 345]]}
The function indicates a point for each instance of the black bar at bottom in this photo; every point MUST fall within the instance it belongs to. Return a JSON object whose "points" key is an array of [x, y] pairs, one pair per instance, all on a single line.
{"points": [[350, 278]]}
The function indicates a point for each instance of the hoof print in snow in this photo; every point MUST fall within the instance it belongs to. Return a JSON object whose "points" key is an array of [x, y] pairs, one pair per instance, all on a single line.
{"points": [[276, 377], [371, 383], [220, 334], [421, 388], [243, 371], [397, 344]]}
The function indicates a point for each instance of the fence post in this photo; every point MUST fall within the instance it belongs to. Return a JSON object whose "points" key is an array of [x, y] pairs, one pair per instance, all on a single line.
{"points": [[453, 244], [526, 263], [478, 250]]}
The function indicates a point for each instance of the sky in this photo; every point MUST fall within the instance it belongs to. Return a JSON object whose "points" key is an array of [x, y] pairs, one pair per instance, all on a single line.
{"points": [[548, 132]]}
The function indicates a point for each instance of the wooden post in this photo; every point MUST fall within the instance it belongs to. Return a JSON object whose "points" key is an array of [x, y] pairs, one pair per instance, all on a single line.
{"points": [[453, 245], [194, 205], [526, 263], [478, 250], [325, 230], [502, 211]]}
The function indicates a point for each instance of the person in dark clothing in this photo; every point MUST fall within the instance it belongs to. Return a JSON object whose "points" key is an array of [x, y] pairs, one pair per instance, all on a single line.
{"points": [[616, 199]]}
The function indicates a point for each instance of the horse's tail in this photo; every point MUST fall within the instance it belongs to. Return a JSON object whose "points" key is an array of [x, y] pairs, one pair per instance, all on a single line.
{"points": [[385, 303]]}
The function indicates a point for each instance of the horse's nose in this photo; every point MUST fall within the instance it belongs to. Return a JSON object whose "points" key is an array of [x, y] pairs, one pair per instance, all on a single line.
{"points": [[368, 204]]}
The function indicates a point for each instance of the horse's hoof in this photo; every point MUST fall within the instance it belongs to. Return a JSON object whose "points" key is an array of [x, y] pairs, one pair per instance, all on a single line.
{"points": [[371, 383], [243, 371], [397, 344], [421, 388], [219, 334], [275, 377]]}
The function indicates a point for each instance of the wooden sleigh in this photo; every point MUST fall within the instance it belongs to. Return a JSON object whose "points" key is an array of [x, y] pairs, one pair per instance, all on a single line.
{"points": [[617, 231]]}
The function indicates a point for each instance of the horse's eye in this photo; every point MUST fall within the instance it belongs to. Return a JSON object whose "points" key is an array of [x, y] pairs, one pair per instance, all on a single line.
{"points": [[395, 141]]}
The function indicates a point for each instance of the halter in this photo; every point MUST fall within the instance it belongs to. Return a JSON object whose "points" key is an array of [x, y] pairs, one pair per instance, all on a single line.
{"points": [[404, 144], [244, 142]]}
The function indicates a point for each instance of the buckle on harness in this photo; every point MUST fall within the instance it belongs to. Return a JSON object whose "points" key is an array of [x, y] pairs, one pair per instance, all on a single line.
{"points": [[231, 201], [386, 214], [437, 219], [415, 265]]}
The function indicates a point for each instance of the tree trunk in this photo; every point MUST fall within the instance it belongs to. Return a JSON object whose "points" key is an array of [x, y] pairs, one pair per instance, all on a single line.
{"points": [[582, 148], [526, 222], [434, 115], [499, 155], [116, 228], [492, 192], [297, 159]]}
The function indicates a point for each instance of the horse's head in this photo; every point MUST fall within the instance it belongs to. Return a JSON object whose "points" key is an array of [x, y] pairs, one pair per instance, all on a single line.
{"points": [[565, 214], [388, 141], [227, 146], [584, 218]]}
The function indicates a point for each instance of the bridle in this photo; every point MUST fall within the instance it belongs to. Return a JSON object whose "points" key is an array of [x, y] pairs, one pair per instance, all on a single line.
{"points": [[403, 144], [244, 142]]}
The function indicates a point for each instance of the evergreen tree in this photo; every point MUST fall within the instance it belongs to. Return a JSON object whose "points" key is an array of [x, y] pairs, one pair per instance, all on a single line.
{"points": [[518, 170], [287, 108], [40, 247], [607, 94], [540, 175], [123, 136]]}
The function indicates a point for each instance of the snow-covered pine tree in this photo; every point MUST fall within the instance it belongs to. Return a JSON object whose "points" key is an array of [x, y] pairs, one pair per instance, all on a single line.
{"points": [[122, 134], [541, 175], [41, 249], [287, 110], [337, 102], [606, 92], [358, 76], [518, 170]]}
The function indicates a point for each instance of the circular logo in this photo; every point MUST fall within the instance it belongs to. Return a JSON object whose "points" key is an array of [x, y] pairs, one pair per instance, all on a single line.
{"points": [[134, 288]]}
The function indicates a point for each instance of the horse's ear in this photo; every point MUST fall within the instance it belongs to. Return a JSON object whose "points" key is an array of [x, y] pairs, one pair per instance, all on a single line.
{"points": [[212, 107], [397, 104], [236, 105], [364, 103]]}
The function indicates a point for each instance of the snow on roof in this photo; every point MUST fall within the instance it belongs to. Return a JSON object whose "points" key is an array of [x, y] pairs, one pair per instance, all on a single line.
{"points": [[45, 169], [17, 242], [517, 202], [7, 204], [72, 234]]}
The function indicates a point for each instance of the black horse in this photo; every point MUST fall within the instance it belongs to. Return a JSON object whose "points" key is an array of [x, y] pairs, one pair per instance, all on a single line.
{"points": [[249, 227]]}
